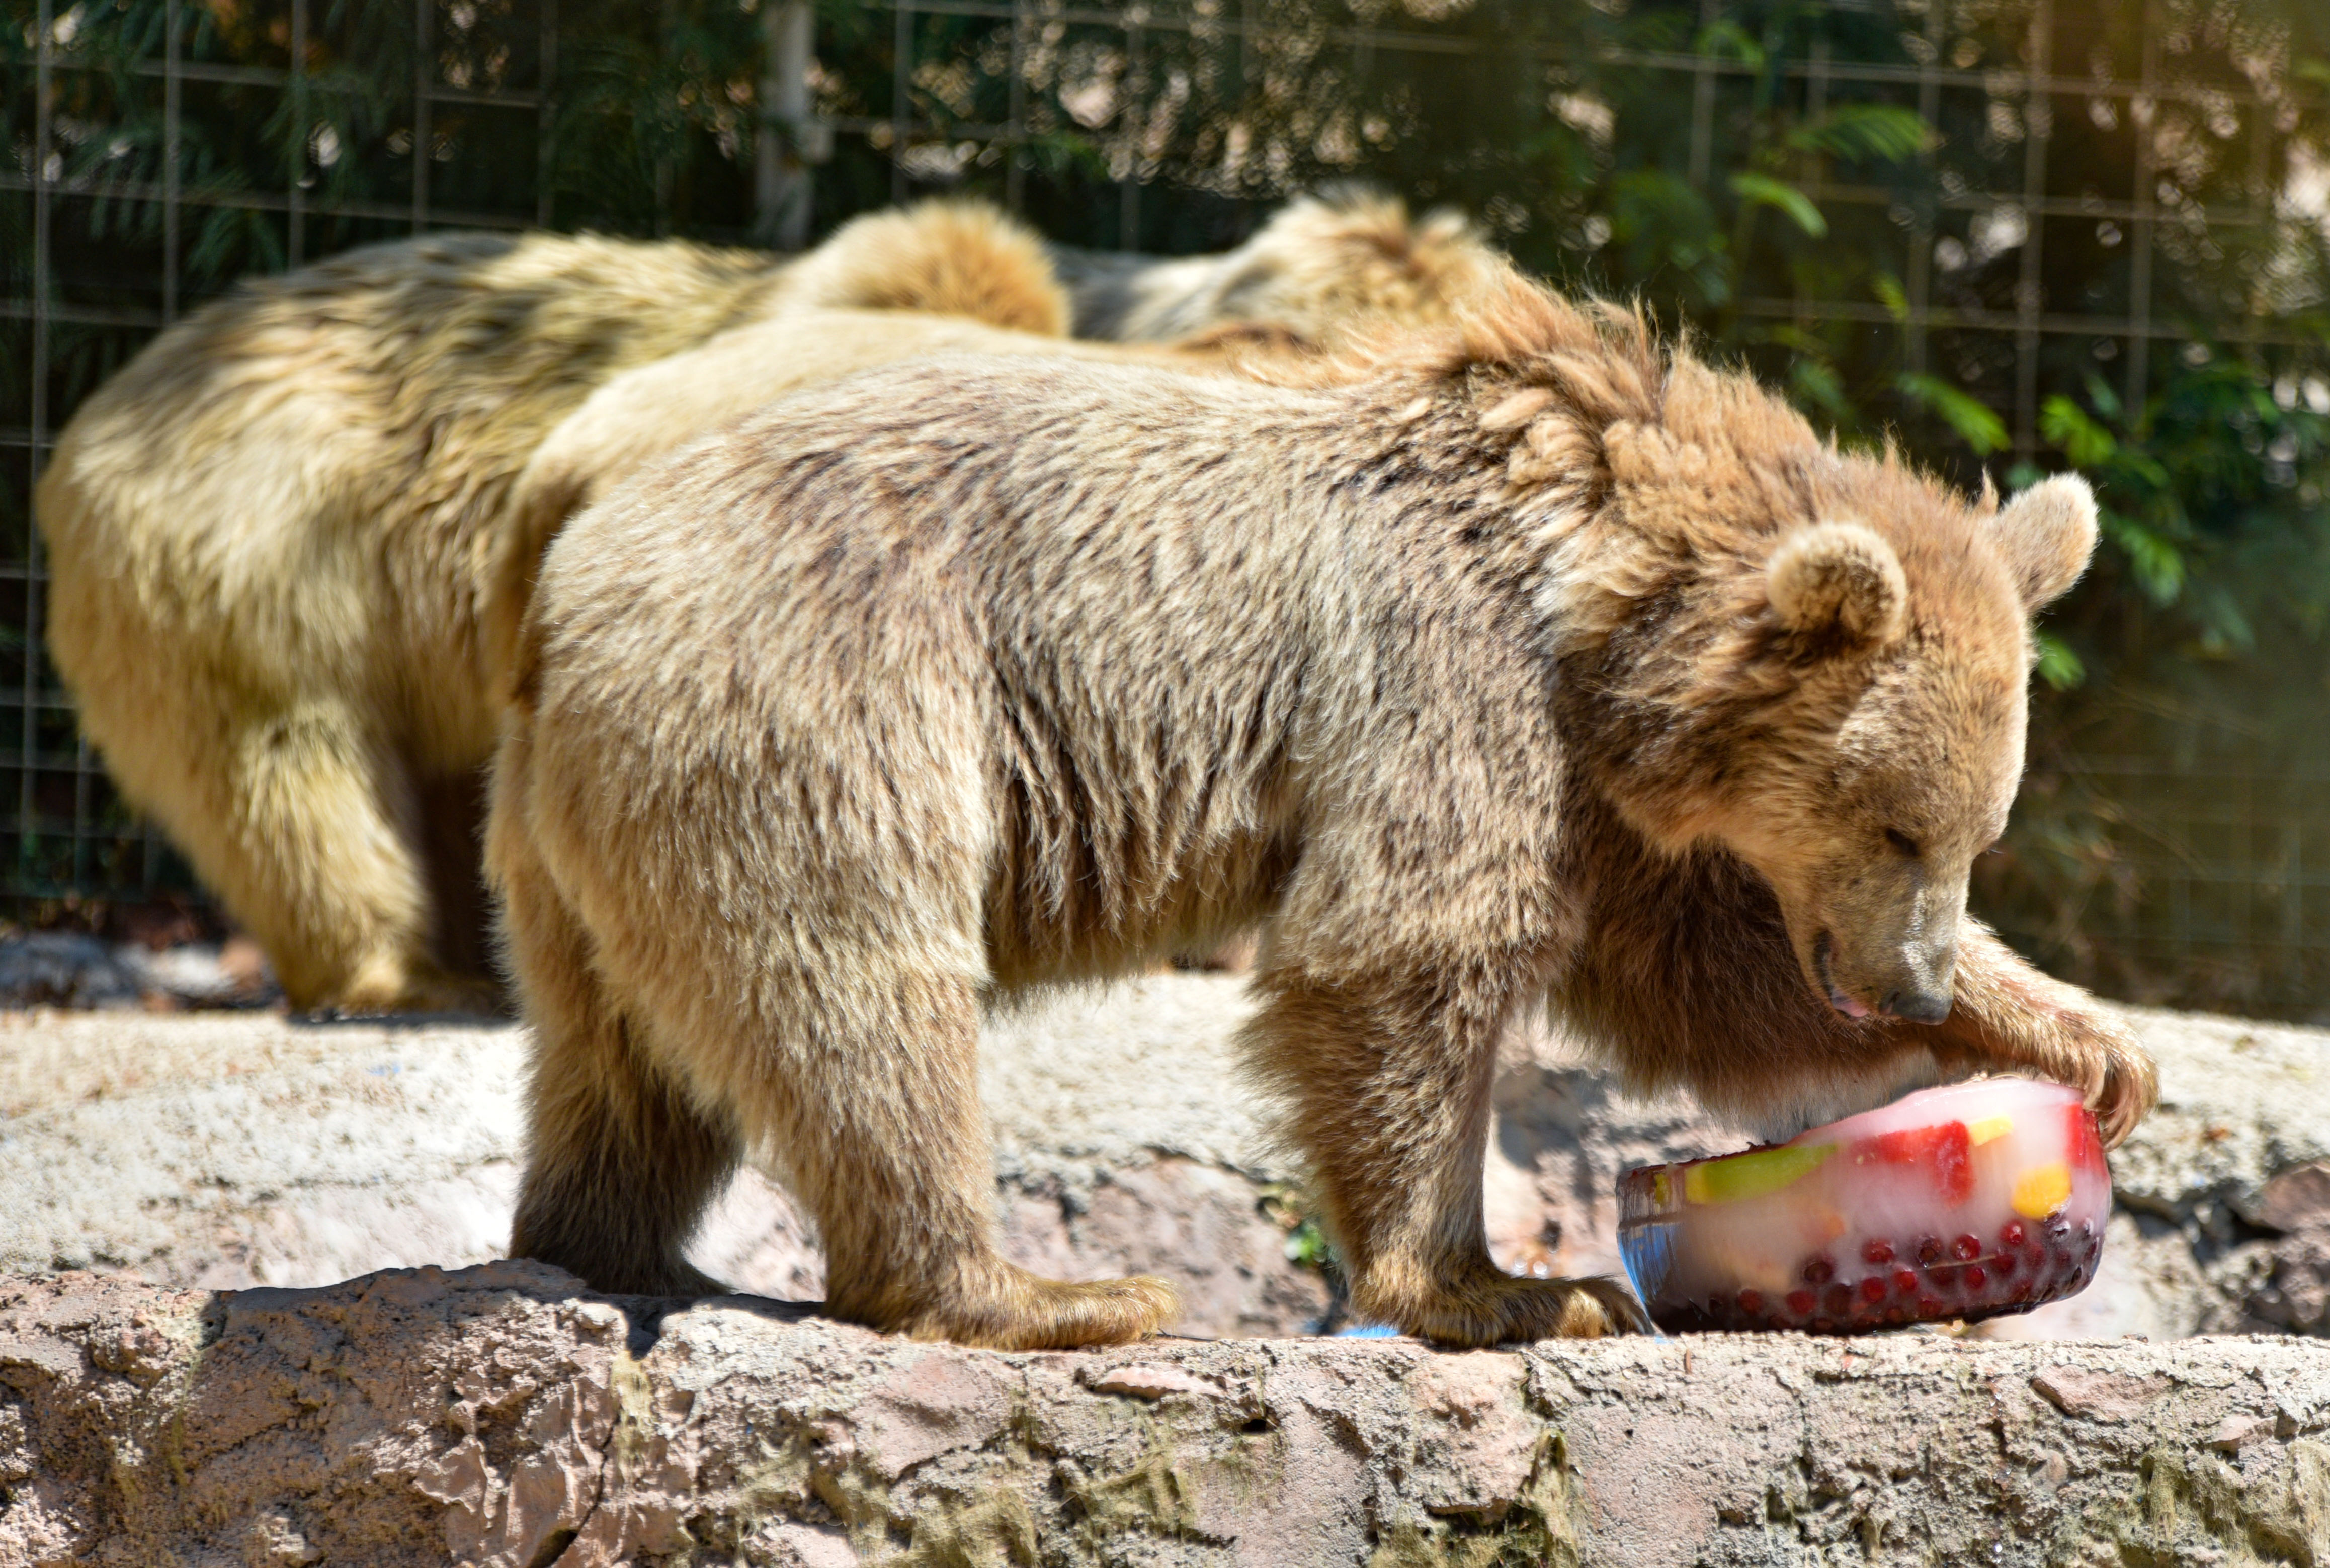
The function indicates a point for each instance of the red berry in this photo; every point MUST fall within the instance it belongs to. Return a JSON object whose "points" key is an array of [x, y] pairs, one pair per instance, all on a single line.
{"points": [[1838, 1299], [1877, 1250], [1896, 1314], [1905, 1283], [1872, 1290], [1975, 1279], [1751, 1302], [1800, 1302], [1930, 1251], [1819, 1271], [1965, 1249], [2012, 1233], [1931, 1307], [2004, 1263]]}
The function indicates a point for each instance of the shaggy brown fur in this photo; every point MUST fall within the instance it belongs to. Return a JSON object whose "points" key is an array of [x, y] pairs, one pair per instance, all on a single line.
{"points": [[647, 413], [1530, 663], [270, 536], [1326, 269], [276, 534]]}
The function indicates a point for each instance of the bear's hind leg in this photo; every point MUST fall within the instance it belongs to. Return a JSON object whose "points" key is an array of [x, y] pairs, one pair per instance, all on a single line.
{"points": [[620, 1165], [892, 1156], [308, 830], [1389, 1093]]}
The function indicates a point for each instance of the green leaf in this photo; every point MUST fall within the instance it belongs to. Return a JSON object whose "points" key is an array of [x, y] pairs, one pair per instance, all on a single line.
{"points": [[1730, 40], [1883, 131], [1815, 383], [2067, 427], [1762, 190], [2058, 665], [1888, 292], [1974, 421], [2159, 564]]}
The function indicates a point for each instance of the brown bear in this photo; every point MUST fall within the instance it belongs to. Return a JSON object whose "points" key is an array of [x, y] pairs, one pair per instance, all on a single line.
{"points": [[1512, 664], [275, 536], [270, 535]]}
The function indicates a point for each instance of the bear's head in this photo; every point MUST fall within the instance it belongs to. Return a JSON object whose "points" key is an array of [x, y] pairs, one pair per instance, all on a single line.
{"points": [[1812, 658], [1822, 670], [1864, 789]]}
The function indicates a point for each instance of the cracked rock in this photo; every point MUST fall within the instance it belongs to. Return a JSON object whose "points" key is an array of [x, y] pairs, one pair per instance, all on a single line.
{"points": [[485, 1416]]}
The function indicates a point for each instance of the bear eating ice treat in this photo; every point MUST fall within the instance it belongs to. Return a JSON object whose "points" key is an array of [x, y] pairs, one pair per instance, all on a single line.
{"points": [[1967, 1202], [1526, 665]]}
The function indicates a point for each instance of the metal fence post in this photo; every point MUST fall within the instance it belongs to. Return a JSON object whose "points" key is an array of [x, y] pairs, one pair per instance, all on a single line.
{"points": [[789, 142]]}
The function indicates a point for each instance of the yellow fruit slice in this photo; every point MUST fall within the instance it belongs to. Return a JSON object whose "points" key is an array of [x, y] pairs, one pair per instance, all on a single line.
{"points": [[1751, 1176], [2039, 1193], [1990, 1126]]}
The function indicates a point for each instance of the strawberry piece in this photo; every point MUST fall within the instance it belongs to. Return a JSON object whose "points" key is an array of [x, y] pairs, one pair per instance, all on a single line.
{"points": [[1930, 1251], [1946, 1148], [1904, 1282], [1877, 1251], [1975, 1278], [1965, 1249], [1872, 1290], [2012, 1233]]}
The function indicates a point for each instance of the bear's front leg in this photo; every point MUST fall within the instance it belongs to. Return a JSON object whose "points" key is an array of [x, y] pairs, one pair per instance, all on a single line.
{"points": [[1388, 1086], [2006, 1015]]}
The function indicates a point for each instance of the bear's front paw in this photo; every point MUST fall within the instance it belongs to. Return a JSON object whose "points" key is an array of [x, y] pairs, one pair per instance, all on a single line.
{"points": [[1494, 1309], [2121, 1082]]}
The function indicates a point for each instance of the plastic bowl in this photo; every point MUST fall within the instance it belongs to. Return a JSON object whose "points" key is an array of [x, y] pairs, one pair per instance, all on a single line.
{"points": [[1964, 1202]]}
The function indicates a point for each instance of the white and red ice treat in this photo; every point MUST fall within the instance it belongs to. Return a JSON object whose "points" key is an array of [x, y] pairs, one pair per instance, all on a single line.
{"points": [[1966, 1200]]}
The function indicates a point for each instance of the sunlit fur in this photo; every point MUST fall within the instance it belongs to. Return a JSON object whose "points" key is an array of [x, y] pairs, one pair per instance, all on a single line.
{"points": [[648, 412], [1442, 664], [1325, 269], [277, 534], [270, 534]]}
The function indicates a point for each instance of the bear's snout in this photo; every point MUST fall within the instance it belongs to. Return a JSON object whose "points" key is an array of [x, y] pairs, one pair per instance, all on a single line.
{"points": [[1920, 1004]]}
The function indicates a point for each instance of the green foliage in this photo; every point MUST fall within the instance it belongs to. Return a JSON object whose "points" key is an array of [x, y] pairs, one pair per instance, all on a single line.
{"points": [[1977, 422]]}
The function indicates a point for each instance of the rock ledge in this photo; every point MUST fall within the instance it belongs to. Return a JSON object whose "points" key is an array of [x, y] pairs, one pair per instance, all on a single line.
{"points": [[501, 1415]]}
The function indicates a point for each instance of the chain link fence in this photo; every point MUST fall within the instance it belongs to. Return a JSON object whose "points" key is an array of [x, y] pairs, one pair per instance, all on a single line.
{"points": [[158, 148]]}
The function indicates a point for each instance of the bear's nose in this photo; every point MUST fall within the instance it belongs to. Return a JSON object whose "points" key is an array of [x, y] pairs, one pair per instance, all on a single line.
{"points": [[1919, 1006]]}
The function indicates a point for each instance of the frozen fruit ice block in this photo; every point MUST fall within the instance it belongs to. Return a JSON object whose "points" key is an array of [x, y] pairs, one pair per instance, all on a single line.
{"points": [[1966, 1200]]}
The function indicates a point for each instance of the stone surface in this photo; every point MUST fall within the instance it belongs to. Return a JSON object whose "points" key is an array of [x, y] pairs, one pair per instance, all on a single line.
{"points": [[501, 1416], [227, 1150]]}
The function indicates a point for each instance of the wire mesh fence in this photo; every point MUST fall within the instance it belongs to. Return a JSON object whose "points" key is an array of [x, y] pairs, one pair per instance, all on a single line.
{"points": [[2101, 185]]}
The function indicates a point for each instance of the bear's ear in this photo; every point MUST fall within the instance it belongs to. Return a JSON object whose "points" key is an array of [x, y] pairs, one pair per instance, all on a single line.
{"points": [[2047, 534], [1838, 580]]}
